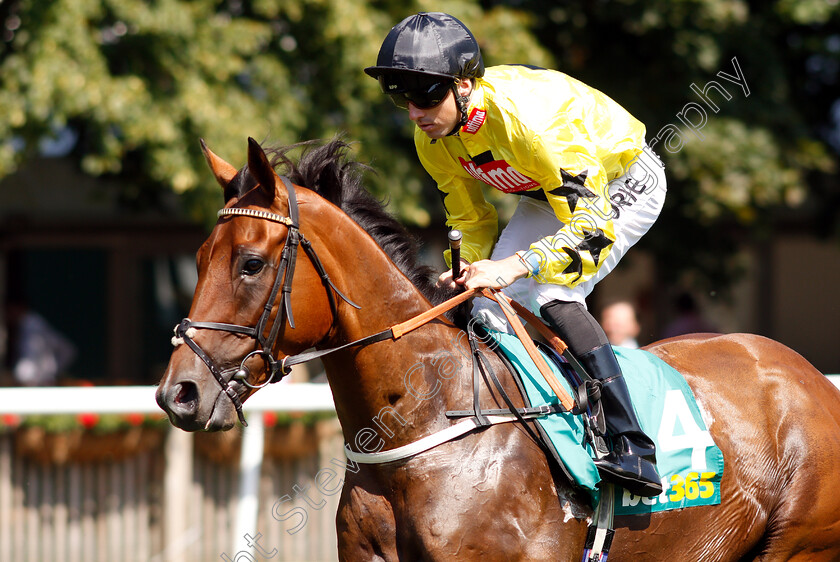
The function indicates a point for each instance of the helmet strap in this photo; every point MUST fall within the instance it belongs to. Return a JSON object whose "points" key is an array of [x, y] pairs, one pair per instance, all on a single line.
{"points": [[463, 103]]}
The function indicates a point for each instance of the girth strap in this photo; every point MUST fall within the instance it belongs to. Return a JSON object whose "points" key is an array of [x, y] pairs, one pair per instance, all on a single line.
{"points": [[429, 442], [544, 410]]}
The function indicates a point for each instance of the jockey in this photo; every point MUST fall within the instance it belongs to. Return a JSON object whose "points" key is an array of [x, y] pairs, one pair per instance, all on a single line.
{"points": [[588, 187]]}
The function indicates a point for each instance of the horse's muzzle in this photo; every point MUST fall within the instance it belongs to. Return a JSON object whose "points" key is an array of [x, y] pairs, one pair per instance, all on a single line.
{"points": [[192, 409]]}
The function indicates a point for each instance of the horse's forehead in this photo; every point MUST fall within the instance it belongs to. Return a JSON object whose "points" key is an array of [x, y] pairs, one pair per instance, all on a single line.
{"points": [[231, 234], [254, 232], [237, 232]]}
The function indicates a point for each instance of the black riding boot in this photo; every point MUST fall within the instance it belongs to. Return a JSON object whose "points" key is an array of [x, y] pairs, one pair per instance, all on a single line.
{"points": [[631, 462]]}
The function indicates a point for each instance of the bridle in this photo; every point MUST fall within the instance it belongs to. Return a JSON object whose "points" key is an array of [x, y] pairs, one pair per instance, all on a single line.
{"points": [[186, 330]]}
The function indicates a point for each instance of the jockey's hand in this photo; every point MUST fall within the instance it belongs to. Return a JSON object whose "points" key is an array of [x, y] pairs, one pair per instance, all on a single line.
{"points": [[445, 279], [492, 274]]}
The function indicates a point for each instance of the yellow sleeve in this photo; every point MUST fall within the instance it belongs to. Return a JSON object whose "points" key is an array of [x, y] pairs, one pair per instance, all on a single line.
{"points": [[577, 192], [463, 201]]}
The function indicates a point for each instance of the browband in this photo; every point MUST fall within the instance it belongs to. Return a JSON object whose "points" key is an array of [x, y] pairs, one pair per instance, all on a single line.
{"points": [[256, 213]]}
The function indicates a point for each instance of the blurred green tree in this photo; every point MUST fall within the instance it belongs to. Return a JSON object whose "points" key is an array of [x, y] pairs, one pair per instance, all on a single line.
{"points": [[771, 147], [135, 83]]}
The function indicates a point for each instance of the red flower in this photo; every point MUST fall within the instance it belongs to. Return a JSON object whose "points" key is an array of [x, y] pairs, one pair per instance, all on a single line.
{"points": [[134, 419], [88, 420], [12, 420], [269, 419]]}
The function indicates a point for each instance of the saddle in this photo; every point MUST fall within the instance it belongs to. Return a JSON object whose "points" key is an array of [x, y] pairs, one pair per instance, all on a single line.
{"points": [[688, 460]]}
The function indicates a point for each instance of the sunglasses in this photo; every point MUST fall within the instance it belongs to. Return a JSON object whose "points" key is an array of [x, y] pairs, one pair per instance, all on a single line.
{"points": [[423, 93]]}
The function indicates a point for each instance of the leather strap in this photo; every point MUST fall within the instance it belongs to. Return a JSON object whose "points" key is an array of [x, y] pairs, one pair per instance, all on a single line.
{"points": [[553, 339], [325, 278], [214, 370], [430, 441], [528, 411], [600, 534], [476, 371], [394, 332], [430, 314], [507, 308], [290, 360], [488, 368]]}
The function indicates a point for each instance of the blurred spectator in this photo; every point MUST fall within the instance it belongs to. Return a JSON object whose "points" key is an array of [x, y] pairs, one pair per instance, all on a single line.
{"points": [[688, 319], [620, 324], [38, 353]]}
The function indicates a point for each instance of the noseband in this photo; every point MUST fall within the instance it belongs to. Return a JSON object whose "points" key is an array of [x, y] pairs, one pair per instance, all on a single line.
{"points": [[186, 330]]}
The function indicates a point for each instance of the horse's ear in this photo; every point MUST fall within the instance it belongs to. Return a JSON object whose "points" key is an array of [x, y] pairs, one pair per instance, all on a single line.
{"points": [[260, 168], [223, 171]]}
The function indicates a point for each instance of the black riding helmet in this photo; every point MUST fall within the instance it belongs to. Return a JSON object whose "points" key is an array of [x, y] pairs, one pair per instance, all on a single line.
{"points": [[425, 50]]}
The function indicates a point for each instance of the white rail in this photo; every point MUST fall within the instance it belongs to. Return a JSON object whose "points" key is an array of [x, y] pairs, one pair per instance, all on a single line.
{"points": [[291, 397]]}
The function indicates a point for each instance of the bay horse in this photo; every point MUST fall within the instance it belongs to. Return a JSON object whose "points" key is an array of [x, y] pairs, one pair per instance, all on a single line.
{"points": [[490, 494]]}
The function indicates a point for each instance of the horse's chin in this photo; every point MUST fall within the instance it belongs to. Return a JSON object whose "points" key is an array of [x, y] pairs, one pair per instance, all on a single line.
{"points": [[223, 416]]}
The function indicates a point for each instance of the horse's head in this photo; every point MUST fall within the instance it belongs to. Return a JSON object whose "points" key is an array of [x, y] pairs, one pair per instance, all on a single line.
{"points": [[241, 323]]}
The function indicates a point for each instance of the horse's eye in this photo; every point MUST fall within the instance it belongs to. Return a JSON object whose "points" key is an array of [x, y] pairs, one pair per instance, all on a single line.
{"points": [[252, 266]]}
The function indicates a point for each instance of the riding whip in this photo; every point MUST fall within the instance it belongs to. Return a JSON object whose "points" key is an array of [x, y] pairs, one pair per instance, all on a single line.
{"points": [[455, 248]]}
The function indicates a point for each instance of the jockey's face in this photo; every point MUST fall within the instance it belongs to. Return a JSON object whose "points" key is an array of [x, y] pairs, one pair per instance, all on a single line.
{"points": [[438, 121]]}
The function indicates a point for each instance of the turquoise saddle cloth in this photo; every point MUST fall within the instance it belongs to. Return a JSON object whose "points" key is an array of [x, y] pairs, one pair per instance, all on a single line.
{"points": [[688, 461]]}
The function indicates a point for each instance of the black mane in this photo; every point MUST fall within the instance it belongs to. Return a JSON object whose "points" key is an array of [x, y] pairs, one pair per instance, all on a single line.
{"points": [[327, 170]]}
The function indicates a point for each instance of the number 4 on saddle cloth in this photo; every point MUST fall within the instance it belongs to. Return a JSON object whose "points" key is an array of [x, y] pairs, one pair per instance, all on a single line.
{"points": [[688, 461]]}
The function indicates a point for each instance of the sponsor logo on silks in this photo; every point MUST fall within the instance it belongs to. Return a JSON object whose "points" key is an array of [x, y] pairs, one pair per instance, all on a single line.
{"points": [[497, 173], [475, 121]]}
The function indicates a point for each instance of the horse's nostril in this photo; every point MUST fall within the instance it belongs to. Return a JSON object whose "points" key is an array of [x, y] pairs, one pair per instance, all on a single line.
{"points": [[187, 394], [181, 401]]}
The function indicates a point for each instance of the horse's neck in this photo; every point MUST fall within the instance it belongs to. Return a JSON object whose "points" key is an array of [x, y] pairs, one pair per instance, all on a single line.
{"points": [[398, 388], [401, 388]]}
